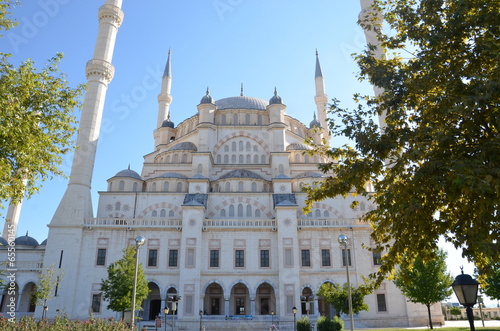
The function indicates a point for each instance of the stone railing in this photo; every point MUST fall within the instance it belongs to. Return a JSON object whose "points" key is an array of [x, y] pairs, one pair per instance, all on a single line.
{"points": [[133, 222], [28, 265], [235, 223], [328, 223]]}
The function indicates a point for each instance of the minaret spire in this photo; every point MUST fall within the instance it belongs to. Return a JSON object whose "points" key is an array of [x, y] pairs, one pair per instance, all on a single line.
{"points": [[321, 99], [165, 98], [76, 203]]}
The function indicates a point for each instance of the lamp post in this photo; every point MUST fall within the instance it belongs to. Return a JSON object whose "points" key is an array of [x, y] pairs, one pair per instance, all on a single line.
{"points": [[174, 299], [294, 310], [343, 241], [165, 312], [201, 318], [272, 317], [139, 241], [466, 291]]}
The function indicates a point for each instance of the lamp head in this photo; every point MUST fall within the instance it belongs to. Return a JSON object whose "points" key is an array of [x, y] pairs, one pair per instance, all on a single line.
{"points": [[166, 310], [294, 310], [343, 239], [139, 241]]}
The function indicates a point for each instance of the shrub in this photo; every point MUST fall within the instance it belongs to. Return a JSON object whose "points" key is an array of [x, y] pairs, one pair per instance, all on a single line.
{"points": [[330, 324], [62, 323], [303, 324]]}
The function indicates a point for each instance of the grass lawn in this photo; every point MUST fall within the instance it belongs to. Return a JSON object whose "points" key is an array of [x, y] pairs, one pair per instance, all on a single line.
{"points": [[438, 328]]}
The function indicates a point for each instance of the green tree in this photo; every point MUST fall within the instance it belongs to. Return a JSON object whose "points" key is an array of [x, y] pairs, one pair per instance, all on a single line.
{"points": [[455, 311], [48, 281], [490, 284], [435, 165], [36, 121], [118, 287], [337, 296], [426, 282]]}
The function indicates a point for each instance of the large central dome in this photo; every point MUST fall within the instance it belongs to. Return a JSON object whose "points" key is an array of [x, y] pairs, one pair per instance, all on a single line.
{"points": [[241, 102]]}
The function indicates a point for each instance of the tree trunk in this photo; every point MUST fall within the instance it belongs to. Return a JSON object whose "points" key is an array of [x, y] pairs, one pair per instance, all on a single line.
{"points": [[430, 317]]}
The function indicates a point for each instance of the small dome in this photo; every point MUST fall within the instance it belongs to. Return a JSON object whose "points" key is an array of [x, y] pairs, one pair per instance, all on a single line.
{"points": [[44, 242], [308, 175], [241, 173], [241, 102], [276, 99], [207, 98], [184, 146], [297, 147], [128, 173], [172, 175], [3, 242], [314, 123], [26, 241], [167, 124]]}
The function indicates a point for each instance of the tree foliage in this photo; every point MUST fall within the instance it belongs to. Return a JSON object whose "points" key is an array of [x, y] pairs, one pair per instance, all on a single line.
{"points": [[490, 284], [117, 289], [426, 282], [435, 165], [36, 121], [337, 296], [48, 280]]}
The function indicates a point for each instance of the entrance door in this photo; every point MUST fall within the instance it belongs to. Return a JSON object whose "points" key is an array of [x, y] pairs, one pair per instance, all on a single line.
{"points": [[240, 306], [154, 309], [264, 306], [215, 306]]}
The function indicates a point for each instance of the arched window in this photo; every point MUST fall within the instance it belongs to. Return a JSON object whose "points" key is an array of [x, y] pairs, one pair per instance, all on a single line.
{"points": [[226, 148], [231, 211], [263, 159], [254, 187], [121, 185], [247, 119], [317, 213], [240, 159], [306, 158], [228, 187], [184, 158], [297, 158], [233, 146], [166, 186], [235, 119], [255, 159], [240, 186], [240, 210], [226, 159], [257, 212], [249, 211], [326, 214], [154, 213], [176, 158], [167, 159], [219, 159], [216, 188], [249, 159], [265, 188], [248, 147], [171, 213], [163, 213], [222, 213], [153, 187], [134, 187], [223, 119], [233, 159], [179, 187], [200, 168], [240, 145], [259, 120], [118, 206]]}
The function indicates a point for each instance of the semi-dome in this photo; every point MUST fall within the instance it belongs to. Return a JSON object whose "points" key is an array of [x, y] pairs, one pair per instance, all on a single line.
{"points": [[314, 123], [276, 99], [241, 173], [207, 98], [128, 173], [241, 102], [297, 147], [167, 124], [43, 242], [26, 241], [3, 242], [172, 175], [184, 146]]}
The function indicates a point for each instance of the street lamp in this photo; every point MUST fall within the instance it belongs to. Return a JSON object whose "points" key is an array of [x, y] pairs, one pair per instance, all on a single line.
{"points": [[294, 310], [201, 318], [174, 299], [272, 317], [165, 312], [139, 241], [343, 241], [466, 291]]}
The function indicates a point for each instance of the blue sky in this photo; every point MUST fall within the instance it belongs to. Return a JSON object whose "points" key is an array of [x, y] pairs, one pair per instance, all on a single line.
{"points": [[217, 43]]}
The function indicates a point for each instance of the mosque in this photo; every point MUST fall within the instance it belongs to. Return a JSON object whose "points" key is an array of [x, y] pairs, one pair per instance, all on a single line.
{"points": [[219, 201]]}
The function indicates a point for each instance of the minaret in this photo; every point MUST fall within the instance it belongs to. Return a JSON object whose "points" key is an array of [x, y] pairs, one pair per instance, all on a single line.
{"points": [[12, 220], [321, 99], [371, 39], [165, 98], [76, 203]]}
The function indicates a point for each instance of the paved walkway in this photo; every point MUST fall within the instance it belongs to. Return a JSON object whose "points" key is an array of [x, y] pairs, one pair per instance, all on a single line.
{"points": [[465, 324]]}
